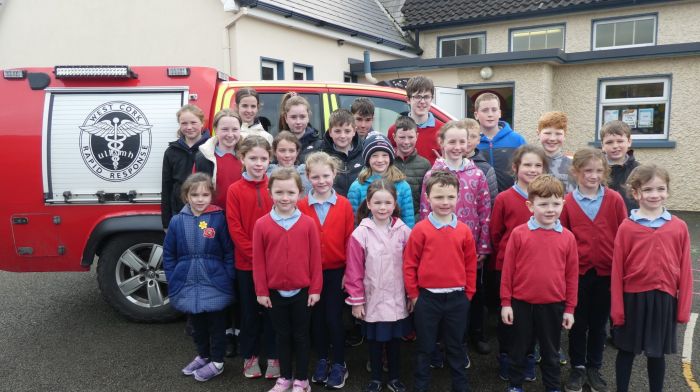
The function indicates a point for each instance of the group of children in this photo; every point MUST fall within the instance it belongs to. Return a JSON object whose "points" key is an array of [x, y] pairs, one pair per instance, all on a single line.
{"points": [[406, 229]]}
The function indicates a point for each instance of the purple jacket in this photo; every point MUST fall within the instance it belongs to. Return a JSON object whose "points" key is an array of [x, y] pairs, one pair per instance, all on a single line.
{"points": [[374, 270], [473, 202]]}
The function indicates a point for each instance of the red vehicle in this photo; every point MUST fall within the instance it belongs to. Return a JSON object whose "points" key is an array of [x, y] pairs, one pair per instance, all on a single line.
{"points": [[83, 146]]}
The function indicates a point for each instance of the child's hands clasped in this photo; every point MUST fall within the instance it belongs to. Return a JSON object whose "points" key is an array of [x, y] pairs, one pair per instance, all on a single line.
{"points": [[507, 315], [265, 301], [358, 311], [568, 321], [313, 298]]}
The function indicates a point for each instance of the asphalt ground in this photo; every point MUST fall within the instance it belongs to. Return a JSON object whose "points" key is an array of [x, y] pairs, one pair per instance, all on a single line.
{"points": [[57, 334]]}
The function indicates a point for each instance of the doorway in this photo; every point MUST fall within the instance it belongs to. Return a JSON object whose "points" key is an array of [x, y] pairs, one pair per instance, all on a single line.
{"points": [[504, 92]]}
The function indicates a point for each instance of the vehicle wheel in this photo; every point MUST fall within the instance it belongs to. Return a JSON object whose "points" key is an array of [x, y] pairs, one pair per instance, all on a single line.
{"points": [[131, 277]]}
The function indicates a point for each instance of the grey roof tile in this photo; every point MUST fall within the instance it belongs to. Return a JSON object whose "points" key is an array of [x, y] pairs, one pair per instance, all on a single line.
{"points": [[422, 13]]}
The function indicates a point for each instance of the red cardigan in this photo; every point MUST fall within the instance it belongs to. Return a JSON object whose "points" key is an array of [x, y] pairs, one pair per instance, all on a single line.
{"points": [[426, 142], [595, 238], [246, 202], [286, 259], [439, 258], [541, 267], [509, 211], [647, 259], [335, 231]]}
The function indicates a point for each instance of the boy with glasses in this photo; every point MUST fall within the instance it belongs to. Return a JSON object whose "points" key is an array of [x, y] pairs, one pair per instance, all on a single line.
{"points": [[419, 92]]}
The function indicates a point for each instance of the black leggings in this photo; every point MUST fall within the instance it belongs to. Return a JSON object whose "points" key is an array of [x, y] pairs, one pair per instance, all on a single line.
{"points": [[656, 367], [393, 355]]}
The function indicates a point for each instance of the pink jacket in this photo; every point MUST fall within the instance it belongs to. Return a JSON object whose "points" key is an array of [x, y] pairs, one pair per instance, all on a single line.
{"points": [[374, 270], [473, 203]]}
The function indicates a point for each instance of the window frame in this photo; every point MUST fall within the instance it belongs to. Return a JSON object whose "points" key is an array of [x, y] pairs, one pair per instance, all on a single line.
{"points": [[308, 71], [455, 37], [625, 18], [511, 31], [278, 67], [601, 101]]}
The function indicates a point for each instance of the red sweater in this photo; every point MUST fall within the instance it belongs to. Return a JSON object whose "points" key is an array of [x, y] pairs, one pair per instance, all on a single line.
{"points": [[286, 259], [228, 171], [595, 238], [426, 142], [439, 258], [246, 202], [541, 267], [647, 259], [335, 231], [509, 211]]}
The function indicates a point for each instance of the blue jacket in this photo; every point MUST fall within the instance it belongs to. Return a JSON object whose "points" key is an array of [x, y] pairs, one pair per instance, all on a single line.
{"points": [[198, 261], [358, 193], [499, 151]]}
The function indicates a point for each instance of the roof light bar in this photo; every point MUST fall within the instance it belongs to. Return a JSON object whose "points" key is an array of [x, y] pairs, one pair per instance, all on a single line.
{"points": [[14, 73], [178, 71], [94, 71]]}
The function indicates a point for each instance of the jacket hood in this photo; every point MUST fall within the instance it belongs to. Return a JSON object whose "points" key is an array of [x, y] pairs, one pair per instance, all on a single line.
{"points": [[354, 152], [630, 159], [186, 210], [180, 143], [440, 164], [255, 125], [396, 223], [504, 131], [208, 149], [310, 134]]}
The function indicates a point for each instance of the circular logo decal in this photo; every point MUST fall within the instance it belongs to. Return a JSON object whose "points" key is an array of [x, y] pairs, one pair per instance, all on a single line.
{"points": [[115, 141]]}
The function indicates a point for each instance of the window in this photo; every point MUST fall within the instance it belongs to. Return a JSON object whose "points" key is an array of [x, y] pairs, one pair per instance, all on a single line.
{"points": [[271, 69], [546, 37], [303, 72], [624, 33], [386, 110], [349, 78], [462, 45], [270, 110], [642, 103]]}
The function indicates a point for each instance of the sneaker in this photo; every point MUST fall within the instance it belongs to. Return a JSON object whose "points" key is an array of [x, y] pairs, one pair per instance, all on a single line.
{"points": [[301, 386], [563, 361], [321, 373], [374, 386], [437, 360], [282, 385], [576, 380], [337, 376], [396, 386], [503, 366], [231, 345], [273, 369], [514, 389], [197, 363], [530, 374], [354, 338], [467, 361], [596, 381], [251, 368], [207, 372], [536, 353]]}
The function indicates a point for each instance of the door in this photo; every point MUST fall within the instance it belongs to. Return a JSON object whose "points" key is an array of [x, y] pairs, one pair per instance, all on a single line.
{"points": [[450, 100]]}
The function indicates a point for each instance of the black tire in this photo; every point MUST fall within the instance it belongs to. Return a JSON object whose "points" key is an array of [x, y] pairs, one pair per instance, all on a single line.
{"points": [[131, 277]]}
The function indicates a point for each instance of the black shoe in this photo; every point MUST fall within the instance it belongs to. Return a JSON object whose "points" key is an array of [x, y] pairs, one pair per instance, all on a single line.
{"points": [[231, 345], [353, 340], [596, 381], [482, 347], [577, 377]]}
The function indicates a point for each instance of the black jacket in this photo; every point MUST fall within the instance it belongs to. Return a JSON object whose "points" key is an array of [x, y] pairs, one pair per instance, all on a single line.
{"points": [[350, 163], [310, 142], [177, 166], [489, 172], [618, 178]]}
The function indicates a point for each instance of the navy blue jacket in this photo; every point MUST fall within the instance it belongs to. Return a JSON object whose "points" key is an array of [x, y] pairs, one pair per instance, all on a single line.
{"points": [[198, 261], [499, 151], [350, 164]]}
